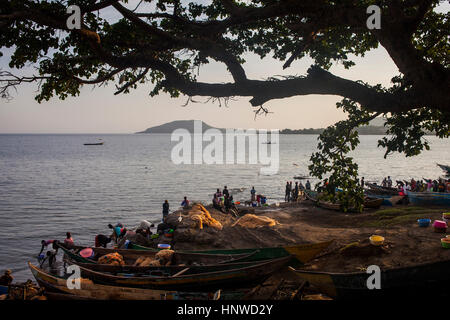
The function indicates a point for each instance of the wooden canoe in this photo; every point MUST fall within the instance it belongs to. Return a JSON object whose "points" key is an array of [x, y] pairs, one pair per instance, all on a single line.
{"points": [[430, 278], [56, 288], [374, 188], [313, 196], [130, 256], [162, 270], [445, 168], [372, 202], [301, 253], [245, 277]]}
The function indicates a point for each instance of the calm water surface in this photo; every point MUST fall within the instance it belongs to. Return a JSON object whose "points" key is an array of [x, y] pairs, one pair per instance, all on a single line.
{"points": [[50, 184]]}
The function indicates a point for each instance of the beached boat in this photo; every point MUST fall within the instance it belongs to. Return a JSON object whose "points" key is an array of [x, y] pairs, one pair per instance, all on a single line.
{"points": [[370, 202], [56, 288], [429, 198], [314, 197], [130, 256], [301, 253], [239, 277], [376, 189], [169, 270], [432, 278], [388, 200]]}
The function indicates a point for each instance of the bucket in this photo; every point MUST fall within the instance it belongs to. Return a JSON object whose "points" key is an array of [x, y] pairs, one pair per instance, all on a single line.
{"points": [[163, 246], [445, 242], [376, 240]]}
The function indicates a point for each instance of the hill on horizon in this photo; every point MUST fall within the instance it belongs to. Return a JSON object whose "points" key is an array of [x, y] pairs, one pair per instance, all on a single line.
{"points": [[375, 127], [177, 124]]}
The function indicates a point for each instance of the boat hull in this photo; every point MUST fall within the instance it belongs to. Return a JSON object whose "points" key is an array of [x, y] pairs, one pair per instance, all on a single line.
{"points": [[429, 198], [229, 279], [431, 278], [301, 253], [57, 287]]}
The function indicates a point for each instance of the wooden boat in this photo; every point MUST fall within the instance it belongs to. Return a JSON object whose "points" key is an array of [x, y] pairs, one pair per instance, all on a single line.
{"points": [[93, 144], [374, 188], [388, 200], [430, 278], [130, 256], [369, 202], [372, 202], [445, 168], [429, 198], [162, 270], [239, 277], [314, 197], [56, 288], [301, 253]]}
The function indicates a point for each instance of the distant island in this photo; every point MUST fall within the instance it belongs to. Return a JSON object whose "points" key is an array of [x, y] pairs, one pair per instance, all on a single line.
{"points": [[374, 128]]}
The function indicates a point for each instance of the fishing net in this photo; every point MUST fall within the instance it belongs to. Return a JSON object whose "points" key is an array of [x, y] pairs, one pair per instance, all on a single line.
{"points": [[201, 217], [253, 221], [113, 259]]}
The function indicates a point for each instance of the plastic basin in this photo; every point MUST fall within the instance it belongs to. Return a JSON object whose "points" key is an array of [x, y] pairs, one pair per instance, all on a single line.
{"points": [[376, 240], [424, 222]]}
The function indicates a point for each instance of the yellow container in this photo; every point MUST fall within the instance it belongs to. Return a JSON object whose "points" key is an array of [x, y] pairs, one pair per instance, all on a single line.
{"points": [[376, 240]]}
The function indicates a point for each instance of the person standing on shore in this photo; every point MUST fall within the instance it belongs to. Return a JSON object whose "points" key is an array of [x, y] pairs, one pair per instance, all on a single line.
{"points": [[225, 192], [287, 195], [308, 185], [296, 191], [362, 182], [253, 194], [165, 211], [185, 203]]}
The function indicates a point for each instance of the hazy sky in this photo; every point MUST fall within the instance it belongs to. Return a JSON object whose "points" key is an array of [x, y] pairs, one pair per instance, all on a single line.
{"points": [[100, 111]]}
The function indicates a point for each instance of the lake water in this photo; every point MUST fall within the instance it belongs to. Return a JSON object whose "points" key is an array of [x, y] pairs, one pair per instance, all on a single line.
{"points": [[50, 184]]}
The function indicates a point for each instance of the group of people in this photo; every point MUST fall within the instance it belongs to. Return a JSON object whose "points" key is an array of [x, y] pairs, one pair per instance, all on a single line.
{"points": [[425, 185], [292, 193], [223, 201]]}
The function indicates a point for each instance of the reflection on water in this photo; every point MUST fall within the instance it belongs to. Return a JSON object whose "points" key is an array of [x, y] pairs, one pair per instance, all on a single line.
{"points": [[50, 184]]}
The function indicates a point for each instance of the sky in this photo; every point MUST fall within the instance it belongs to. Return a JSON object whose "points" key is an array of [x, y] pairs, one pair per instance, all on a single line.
{"points": [[100, 111]]}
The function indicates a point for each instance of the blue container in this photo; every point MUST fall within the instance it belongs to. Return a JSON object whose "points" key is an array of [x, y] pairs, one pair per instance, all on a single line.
{"points": [[424, 222]]}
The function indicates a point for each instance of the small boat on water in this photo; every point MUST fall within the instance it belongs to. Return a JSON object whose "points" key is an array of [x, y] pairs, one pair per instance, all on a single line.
{"points": [[238, 277], [56, 288], [94, 144], [300, 253], [432, 278], [429, 198]]}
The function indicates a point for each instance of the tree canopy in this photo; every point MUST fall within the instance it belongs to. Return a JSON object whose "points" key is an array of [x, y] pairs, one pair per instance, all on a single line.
{"points": [[164, 42]]}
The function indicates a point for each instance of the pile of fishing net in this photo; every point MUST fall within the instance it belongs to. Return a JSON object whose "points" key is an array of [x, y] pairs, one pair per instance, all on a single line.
{"points": [[113, 259], [200, 217], [253, 221], [162, 258]]}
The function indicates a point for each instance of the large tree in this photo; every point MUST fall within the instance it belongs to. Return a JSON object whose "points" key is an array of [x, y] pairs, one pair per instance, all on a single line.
{"points": [[165, 41]]}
